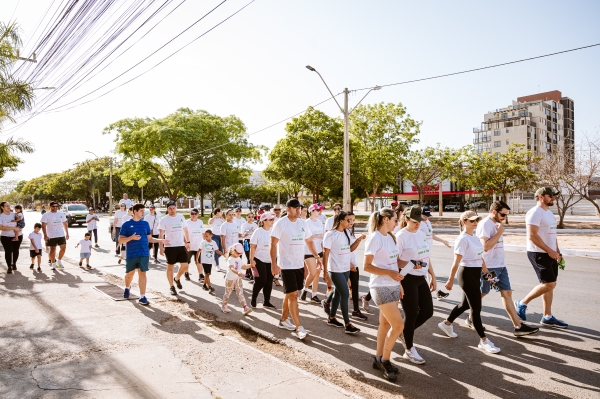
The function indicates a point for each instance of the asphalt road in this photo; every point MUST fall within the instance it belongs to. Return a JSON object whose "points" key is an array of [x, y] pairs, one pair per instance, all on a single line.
{"points": [[553, 363]]}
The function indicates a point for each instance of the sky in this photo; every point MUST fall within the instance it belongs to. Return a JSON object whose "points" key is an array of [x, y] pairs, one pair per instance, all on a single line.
{"points": [[253, 66]]}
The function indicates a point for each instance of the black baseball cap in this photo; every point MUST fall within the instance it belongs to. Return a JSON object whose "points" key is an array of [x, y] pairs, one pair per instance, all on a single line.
{"points": [[546, 190], [171, 203], [293, 203], [414, 213], [194, 210], [152, 206]]}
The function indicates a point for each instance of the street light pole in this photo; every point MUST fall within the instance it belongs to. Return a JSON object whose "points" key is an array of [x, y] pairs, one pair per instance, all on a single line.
{"points": [[110, 204]]}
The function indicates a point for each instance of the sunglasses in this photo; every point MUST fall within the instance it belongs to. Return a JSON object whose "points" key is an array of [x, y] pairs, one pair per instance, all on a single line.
{"points": [[337, 209], [503, 214], [193, 213], [473, 221], [54, 206]]}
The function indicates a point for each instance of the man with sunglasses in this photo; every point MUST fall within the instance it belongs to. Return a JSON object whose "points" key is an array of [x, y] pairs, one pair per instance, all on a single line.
{"points": [[337, 208], [490, 232], [544, 255], [56, 233]]}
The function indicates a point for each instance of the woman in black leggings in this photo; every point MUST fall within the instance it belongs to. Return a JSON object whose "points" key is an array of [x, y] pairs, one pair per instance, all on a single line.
{"points": [[468, 251], [9, 228], [260, 253]]}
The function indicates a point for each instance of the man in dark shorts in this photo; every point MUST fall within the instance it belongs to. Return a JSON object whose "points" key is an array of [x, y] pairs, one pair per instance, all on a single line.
{"points": [[56, 233], [174, 229], [136, 233], [288, 236], [544, 255]]}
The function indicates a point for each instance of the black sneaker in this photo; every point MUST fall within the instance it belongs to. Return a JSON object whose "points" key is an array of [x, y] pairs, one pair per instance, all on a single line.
{"points": [[88, 266], [9, 270], [441, 295], [31, 267], [211, 290], [39, 269], [268, 305], [205, 287], [357, 314], [525, 330], [14, 267], [333, 322], [187, 276], [389, 370], [350, 329], [201, 278], [325, 306], [253, 303], [376, 365], [178, 282], [173, 291], [315, 299], [49, 261], [303, 296], [80, 263]]}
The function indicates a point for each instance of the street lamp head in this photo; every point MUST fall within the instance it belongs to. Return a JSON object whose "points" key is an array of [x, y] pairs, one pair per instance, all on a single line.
{"points": [[311, 68], [377, 88]]}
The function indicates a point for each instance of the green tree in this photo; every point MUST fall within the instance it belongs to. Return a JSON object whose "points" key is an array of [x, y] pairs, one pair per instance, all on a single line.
{"points": [[381, 138]]}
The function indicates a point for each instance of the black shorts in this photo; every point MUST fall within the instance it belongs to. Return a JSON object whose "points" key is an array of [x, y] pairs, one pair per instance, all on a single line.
{"points": [[293, 280], [176, 255], [545, 267], [311, 255], [57, 241], [33, 254], [207, 268], [192, 255]]}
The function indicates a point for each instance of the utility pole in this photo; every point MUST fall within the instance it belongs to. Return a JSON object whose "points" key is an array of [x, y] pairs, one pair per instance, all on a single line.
{"points": [[110, 188], [347, 207]]}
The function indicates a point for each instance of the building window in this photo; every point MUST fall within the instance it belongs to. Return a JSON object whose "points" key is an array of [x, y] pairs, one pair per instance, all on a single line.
{"points": [[506, 130], [496, 132], [507, 142], [504, 116], [497, 143]]}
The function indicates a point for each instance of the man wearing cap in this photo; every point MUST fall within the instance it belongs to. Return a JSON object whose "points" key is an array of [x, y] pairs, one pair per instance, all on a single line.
{"points": [[125, 200], [288, 237], [56, 233], [337, 208], [153, 219], [277, 211], [394, 205], [174, 229], [91, 220], [544, 255], [195, 228]]}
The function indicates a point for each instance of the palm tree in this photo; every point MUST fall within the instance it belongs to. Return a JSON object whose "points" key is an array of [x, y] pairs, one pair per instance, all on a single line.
{"points": [[8, 154]]}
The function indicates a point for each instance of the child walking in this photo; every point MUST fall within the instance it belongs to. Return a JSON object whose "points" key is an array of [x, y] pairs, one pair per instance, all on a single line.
{"points": [[35, 237], [233, 279], [206, 254], [86, 250]]}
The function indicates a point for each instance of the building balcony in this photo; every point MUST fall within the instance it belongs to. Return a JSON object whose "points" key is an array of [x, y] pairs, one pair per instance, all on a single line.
{"points": [[476, 130]]}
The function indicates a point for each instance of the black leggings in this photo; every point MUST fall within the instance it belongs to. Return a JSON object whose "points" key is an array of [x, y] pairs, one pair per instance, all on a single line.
{"points": [[94, 232], [354, 284], [264, 281], [469, 280], [417, 305], [11, 249], [117, 246], [154, 245]]}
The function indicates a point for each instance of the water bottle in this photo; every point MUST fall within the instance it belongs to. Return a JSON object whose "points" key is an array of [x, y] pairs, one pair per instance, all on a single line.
{"points": [[561, 264]]}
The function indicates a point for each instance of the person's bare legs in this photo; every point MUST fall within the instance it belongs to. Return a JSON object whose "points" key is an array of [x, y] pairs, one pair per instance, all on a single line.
{"points": [[545, 291], [129, 278], [313, 275], [509, 306], [293, 307], [61, 253], [391, 313], [170, 274], [142, 282], [285, 310], [382, 332], [183, 267], [547, 302], [52, 254]]}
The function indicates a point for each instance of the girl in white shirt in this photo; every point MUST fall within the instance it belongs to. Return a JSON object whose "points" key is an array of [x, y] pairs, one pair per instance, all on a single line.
{"points": [[260, 259], [233, 279], [316, 229], [468, 254], [214, 224], [382, 262]]}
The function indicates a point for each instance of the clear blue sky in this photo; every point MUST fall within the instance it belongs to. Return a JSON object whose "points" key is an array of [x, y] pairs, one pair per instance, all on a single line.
{"points": [[253, 66]]}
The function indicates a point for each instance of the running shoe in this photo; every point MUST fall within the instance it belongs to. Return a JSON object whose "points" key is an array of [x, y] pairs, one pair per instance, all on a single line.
{"points": [[89, 266], [31, 267], [286, 324], [333, 322], [225, 309], [211, 290], [52, 266], [525, 330], [365, 303], [441, 295], [178, 282], [126, 293], [201, 278], [488, 346], [350, 329], [119, 261], [98, 246], [49, 261], [268, 305], [315, 299], [80, 263], [301, 333], [413, 356], [39, 269], [187, 276], [9, 270], [469, 323], [205, 287], [156, 260], [326, 307], [143, 301], [357, 314], [303, 296], [376, 364], [388, 372], [553, 322], [447, 329], [521, 310], [247, 310], [59, 264], [253, 303], [173, 291], [403, 341]]}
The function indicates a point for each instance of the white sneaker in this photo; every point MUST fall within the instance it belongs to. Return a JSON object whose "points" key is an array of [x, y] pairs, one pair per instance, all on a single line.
{"points": [[59, 264], [287, 325], [413, 356], [488, 346], [447, 329], [52, 266], [301, 333]]}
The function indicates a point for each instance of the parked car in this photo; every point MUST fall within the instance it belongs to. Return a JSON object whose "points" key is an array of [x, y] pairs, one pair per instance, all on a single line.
{"points": [[111, 222], [75, 213], [454, 206], [434, 208]]}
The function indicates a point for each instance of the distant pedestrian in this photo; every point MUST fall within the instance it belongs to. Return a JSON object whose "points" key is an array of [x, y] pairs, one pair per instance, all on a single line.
{"points": [[125, 200], [233, 279], [337, 208], [35, 246], [123, 248], [92, 225], [56, 233], [316, 231], [85, 251]]}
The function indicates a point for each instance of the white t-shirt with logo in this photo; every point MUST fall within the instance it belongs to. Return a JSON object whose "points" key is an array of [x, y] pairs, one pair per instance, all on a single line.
{"points": [[413, 246], [119, 218], [207, 253], [230, 231], [427, 229], [239, 222], [315, 227], [546, 222], [262, 239], [173, 227], [195, 231], [92, 222], [340, 256], [237, 266], [9, 221], [248, 228], [385, 256], [54, 224], [215, 227], [329, 223], [37, 239], [471, 250], [495, 256], [153, 221], [291, 235], [85, 246]]}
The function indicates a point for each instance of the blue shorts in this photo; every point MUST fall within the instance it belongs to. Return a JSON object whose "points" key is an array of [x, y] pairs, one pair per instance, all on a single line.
{"points": [[139, 262], [84, 255], [503, 283]]}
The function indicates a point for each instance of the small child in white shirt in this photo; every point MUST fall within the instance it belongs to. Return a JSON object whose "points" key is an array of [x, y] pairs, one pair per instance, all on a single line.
{"points": [[35, 248], [233, 279], [86, 250]]}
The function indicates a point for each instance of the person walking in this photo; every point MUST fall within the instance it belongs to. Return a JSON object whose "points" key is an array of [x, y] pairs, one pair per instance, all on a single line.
{"points": [[277, 212], [260, 255], [214, 224], [427, 229], [92, 225], [126, 201], [56, 233], [123, 247], [230, 232], [175, 246], [195, 228], [337, 208], [316, 230], [490, 232], [544, 255], [117, 223], [153, 219], [10, 231], [206, 253], [288, 236], [246, 231], [35, 246], [85, 251], [468, 255]]}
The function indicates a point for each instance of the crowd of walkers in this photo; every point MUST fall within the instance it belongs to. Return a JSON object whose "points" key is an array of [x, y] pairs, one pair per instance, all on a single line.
{"points": [[300, 246]]}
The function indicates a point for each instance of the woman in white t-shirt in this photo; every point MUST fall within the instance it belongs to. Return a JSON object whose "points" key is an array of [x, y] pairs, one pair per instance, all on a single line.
{"points": [[310, 263], [468, 254], [153, 219], [337, 260], [214, 224], [117, 223], [260, 259], [9, 229], [246, 231], [382, 262]]}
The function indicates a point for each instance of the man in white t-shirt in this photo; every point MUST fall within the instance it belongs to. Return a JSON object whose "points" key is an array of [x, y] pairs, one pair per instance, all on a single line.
{"points": [[125, 200], [288, 236], [56, 233], [175, 232], [92, 225], [544, 255], [277, 212], [337, 208], [490, 231]]}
